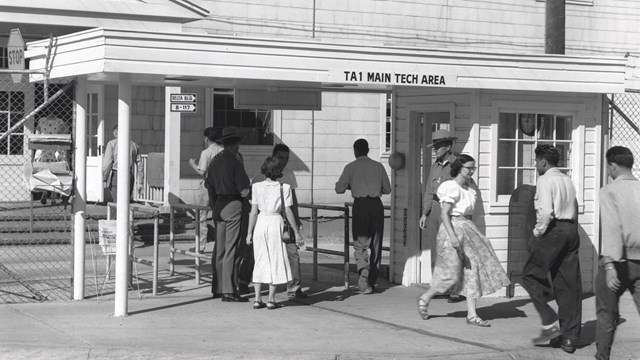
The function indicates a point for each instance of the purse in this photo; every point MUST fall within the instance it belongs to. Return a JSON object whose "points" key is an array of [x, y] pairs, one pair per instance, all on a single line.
{"points": [[288, 234]]}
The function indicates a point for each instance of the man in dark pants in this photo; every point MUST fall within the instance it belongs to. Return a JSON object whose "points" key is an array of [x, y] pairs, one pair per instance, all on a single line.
{"points": [[619, 268], [554, 249], [442, 143], [368, 180], [228, 185]]}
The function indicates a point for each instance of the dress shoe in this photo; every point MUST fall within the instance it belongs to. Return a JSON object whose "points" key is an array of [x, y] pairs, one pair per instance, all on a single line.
{"points": [[567, 346], [547, 335], [216, 296], [298, 294], [456, 299], [233, 298]]}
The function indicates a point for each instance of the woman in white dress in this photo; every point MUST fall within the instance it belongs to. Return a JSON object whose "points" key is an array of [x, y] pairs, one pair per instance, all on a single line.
{"points": [[265, 232], [465, 262]]}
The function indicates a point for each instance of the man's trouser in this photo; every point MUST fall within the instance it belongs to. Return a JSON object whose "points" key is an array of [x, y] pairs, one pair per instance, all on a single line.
{"points": [[556, 252], [368, 230], [227, 215]]}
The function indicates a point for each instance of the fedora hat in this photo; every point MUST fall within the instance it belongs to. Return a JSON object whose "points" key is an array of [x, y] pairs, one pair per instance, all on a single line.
{"points": [[230, 132], [440, 136]]}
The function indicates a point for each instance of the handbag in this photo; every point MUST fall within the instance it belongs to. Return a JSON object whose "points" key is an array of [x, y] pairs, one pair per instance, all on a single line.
{"points": [[245, 267], [288, 234]]}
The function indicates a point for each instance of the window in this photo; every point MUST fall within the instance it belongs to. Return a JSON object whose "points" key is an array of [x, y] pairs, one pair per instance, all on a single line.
{"points": [[11, 112], [387, 125], [255, 125], [4, 58], [518, 136]]}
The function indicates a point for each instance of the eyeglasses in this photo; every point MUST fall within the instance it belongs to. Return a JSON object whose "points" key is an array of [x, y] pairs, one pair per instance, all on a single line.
{"points": [[470, 167]]}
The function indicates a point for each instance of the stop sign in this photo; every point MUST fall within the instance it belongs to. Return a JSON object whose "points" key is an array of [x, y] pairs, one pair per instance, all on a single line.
{"points": [[15, 49]]}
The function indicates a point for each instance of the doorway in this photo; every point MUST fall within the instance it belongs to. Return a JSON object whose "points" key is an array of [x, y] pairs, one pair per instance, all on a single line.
{"points": [[429, 121], [95, 142]]}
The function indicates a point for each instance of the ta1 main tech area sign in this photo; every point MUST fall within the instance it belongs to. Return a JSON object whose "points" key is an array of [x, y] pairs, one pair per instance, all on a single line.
{"points": [[183, 102]]}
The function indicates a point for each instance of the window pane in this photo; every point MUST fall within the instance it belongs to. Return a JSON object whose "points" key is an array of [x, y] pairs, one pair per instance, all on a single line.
{"points": [[506, 181], [15, 118], [545, 126], [565, 154], [507, 153], [526, 154], [17, 101], [94, 103], [507, 126], [249, 119], [16, 144], [564, 127], [234, 118], [4, 123], [219, 119], [526, 177], [527, 126]]}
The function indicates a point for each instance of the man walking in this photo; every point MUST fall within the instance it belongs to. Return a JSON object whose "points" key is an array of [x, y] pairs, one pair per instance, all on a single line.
{"points": [[442, 143], [228, 185], [554, 249], [368, 180], [619, 268]]}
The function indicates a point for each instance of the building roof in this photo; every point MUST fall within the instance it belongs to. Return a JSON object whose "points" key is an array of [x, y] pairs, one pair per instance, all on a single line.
{"points": [[130, 14], [187, 59]]}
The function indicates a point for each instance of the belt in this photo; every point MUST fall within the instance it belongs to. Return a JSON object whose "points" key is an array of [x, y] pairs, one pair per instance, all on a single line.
{"points": [[228, 197], [367, 198], [570, 221]]}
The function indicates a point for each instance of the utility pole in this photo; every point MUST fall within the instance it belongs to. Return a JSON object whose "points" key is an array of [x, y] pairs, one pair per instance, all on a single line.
{"points": [[554, 28]]}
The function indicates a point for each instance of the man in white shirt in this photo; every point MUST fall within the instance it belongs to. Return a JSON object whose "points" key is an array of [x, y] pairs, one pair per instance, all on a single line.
{"points": [[210, 151], [554, 249]]}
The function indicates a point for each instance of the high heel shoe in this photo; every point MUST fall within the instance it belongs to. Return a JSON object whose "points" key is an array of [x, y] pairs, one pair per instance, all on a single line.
{"points": [[423, 309]]}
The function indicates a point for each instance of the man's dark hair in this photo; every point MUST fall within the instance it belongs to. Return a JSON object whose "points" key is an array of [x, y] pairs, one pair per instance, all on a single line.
{"points": [[549, 153], [620, 155], [280, 148], [440, 144], [211, 133], [271, 168], [361, 146]]}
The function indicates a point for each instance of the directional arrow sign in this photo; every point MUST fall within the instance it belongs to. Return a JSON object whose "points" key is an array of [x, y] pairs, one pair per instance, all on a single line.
{"points": [[183, 97], [180, 107], [15, 52]]}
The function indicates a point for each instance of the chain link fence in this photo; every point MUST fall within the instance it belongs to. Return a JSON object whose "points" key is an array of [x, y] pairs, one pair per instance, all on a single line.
{"points": [[36, 254], [624, 124]]}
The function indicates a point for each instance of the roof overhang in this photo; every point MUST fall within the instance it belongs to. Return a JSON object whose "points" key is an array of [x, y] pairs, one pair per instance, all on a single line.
{"points": [[156, 15], [186, 59]]}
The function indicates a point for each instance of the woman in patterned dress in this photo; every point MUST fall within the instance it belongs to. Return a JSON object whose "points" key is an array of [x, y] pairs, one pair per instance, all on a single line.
{"points": [[466, 263], [265, 232]]}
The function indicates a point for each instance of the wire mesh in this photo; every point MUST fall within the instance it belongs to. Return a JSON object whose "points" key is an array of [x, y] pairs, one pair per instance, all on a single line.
{"points": [[622, 132], [36, 254]]}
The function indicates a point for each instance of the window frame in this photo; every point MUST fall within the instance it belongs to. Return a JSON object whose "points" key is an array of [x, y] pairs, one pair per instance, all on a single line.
{"points": [[499, 204], [275, 124], [386, 99], [22, 134]]}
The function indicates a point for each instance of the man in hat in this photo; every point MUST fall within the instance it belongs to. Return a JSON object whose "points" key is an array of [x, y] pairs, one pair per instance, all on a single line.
{"points": [[442, 143], [110, 166], [228, 185], [368, 180]]}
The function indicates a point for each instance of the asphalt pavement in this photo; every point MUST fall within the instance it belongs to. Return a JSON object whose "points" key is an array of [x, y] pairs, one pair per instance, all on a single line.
{"points": [[184, 322]]}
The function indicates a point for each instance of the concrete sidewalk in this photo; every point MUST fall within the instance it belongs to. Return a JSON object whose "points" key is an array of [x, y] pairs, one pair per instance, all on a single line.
{"points": [[183, 322]]}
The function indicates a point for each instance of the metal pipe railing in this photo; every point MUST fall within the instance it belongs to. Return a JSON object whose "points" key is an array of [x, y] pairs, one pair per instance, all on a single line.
{"points": [[172, 249]]}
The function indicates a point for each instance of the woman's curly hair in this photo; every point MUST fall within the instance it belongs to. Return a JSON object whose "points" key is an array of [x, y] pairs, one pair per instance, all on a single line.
{"points": [[458, 164], [271, 168]]}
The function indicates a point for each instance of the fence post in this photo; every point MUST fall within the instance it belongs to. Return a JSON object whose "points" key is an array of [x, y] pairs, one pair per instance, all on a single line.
{"points": [[314, 234], [346, 246], [156, 234], [172, 254], [197, 249]]}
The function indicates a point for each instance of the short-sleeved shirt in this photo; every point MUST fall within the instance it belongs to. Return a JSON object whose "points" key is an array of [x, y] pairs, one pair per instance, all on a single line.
{"points": [[463, 199], [226, 175], [266, 194], [207, 155], [365, 177], [288, 177]]}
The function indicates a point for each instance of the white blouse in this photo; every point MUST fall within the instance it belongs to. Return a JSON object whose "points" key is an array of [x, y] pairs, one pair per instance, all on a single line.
{"points": [[463, 200]]}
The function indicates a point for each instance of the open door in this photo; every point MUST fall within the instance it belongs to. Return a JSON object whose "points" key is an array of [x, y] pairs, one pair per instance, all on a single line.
{"points": [[95, 142], [431, 121]]}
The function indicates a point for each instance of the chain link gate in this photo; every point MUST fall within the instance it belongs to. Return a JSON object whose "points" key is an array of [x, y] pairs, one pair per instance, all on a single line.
{"points": [[36, 170], [624, 124]]}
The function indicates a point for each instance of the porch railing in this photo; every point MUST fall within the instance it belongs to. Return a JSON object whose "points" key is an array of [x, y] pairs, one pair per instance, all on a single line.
{"points": [[150, 194]]}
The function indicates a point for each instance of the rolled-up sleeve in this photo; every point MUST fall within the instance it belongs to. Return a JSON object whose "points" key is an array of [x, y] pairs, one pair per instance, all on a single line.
{"points": [[544, 207], [343, 182]]}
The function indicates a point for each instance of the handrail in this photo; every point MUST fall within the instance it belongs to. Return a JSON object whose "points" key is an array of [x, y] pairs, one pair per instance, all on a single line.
{"points": [[172, 249]]}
